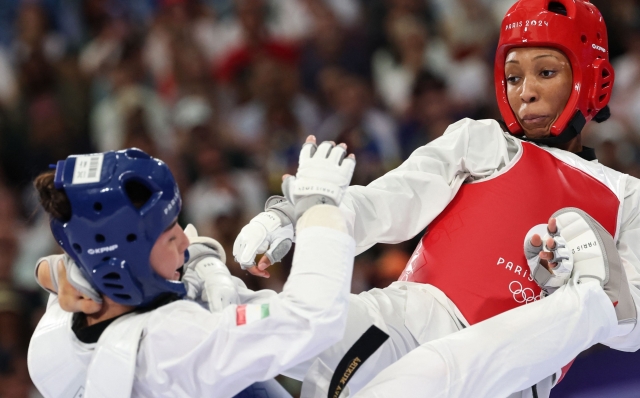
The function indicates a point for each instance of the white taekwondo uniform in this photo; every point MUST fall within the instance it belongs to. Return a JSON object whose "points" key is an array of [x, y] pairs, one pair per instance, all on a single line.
{"points": [[491, 359], [427, 190], [182, 350]]}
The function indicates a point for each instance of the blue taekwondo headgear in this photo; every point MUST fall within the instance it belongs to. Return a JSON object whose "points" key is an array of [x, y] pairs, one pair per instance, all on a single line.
{"points": [[108, 237]]}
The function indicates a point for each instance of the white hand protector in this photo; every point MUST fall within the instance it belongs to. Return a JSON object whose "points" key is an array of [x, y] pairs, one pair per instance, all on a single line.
{"points": [[548, 282], [323, 176], [74, 276], [205, 273], [265, 233]]}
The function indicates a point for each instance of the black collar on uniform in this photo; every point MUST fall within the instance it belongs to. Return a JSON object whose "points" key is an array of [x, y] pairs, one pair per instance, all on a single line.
{"points": [[587, 153], [91, 334]]}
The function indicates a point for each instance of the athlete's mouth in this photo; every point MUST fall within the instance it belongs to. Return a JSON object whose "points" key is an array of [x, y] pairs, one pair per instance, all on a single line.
{"points": [[178, 274], [535, 120]]}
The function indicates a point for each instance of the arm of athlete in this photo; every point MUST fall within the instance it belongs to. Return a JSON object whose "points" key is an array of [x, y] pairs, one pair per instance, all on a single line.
{"points": [[231, 349], [398, 205], [629, 248], [227, 351]]}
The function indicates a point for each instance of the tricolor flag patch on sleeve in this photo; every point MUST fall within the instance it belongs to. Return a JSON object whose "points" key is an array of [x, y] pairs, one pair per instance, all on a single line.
{"points": [[247, 313]]}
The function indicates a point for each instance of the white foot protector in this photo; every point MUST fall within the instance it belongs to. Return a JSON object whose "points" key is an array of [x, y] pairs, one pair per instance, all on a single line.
{"points": [[596, 260]]}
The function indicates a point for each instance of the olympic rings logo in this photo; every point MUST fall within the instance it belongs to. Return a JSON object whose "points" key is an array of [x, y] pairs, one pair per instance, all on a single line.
{"points": [[520, 295]]}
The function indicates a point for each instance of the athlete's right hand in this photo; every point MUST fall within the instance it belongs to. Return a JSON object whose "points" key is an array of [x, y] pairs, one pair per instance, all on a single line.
{"points": [[266, 234], [323, 175]]}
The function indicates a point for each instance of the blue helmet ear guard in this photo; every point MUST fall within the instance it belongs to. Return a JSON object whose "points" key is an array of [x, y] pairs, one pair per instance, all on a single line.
{"points": [[108, 235]]}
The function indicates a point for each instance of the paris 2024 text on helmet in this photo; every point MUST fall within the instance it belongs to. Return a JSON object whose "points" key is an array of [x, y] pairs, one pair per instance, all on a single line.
{"points": [[576, 28], [108, 235]]}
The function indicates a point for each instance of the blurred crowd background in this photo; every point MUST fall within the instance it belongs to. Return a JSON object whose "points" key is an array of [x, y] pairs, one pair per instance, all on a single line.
{"points": [[225, 91]]}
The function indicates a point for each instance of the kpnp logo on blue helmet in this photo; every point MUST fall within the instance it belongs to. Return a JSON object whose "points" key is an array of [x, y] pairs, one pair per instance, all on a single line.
{"points": [[109, 235]]}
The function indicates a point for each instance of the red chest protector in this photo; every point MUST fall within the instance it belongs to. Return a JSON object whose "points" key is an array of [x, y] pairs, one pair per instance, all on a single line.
{"points": [[473, 251]]}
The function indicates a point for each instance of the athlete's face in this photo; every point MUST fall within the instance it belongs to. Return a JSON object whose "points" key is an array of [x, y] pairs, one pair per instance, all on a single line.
{"points": [[539, 84], [167, 255]]}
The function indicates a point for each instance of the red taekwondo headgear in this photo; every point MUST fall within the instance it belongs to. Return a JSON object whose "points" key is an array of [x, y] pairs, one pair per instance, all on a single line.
{"points": [[576, 28]]}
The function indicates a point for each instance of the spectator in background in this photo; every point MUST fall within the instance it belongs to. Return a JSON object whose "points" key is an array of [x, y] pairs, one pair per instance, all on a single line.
{"points": [[625, 98], [8, 81], [9, 328], [473, 16], [331, 44], [128, 96], [136, 131], [182, 33], [9, 228], [257, 43], [219, 198], [10, 302], [46, 131], [15, 307], [102, 54], [397, 67], [469, 70], [259, 85], [46, 118], [273, 120], [370, 133], [35, 35], [189, 113], [14, 377], [430, 113], [285, 20], [191, 72], [379, 11], [615, 145]]}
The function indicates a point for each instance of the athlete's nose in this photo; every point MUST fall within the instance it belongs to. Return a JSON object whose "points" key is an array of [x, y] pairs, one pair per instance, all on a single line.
{"points": [[529, 91], [183, 241]]}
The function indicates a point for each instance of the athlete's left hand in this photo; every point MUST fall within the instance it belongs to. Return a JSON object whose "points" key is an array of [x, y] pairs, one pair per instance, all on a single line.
{"points": [[546, 256], [60, 275], [70, 299], [205, 274], [549, 260]]}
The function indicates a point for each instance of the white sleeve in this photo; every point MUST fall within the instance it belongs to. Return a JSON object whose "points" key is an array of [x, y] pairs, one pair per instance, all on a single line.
{"points": [[507, 353], [629, 249], [398, 205], [220, 354]]}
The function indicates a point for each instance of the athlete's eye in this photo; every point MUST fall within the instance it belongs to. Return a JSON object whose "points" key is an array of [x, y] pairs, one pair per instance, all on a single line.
{"points": [[513, 79], [548, 73]]}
